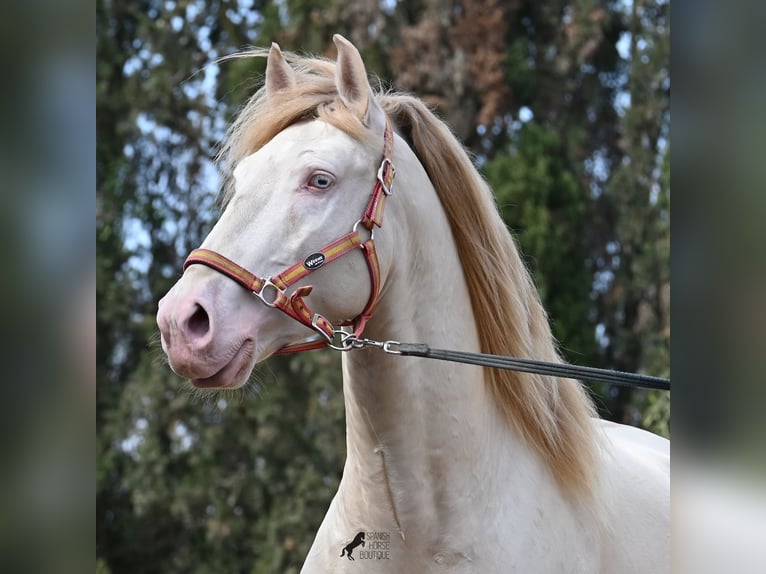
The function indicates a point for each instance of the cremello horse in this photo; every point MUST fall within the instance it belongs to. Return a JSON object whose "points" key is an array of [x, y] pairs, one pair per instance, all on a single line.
{"points": [[456, 468]]}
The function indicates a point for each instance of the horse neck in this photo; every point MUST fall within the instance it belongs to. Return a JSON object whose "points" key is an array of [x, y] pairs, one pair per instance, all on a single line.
{"points": [[418, 431]]}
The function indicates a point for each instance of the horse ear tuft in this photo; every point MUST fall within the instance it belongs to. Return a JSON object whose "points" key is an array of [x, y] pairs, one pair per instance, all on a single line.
{"points": [[353, 86], [351, 77], [279, 75]]}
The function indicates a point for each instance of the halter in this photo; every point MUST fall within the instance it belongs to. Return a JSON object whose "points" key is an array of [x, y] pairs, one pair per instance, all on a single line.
{"points": [[271, 290]]}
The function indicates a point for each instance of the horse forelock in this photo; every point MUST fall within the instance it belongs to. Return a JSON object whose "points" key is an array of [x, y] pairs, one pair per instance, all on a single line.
{"points": [[313, 96], [552, 414]]}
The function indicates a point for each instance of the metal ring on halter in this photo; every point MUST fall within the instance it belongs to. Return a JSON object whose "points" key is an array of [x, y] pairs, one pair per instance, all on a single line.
{"points": [[356, 230], [346, 340], [260, 294]]}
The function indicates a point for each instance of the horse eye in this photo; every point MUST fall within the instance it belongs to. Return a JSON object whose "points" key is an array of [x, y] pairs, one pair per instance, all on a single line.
{"points": [[320, 181]]}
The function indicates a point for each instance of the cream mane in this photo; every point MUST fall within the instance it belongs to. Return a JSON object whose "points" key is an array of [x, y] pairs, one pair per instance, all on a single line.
{"points": [[552, 414]]}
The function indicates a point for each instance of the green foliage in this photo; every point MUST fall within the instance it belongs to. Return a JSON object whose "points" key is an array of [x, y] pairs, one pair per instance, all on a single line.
{"points": [[548, 211], [657, 413], [213, 483]]}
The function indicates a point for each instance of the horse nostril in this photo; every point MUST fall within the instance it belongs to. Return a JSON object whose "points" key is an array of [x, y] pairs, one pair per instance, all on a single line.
{"points": [[199, 323]]}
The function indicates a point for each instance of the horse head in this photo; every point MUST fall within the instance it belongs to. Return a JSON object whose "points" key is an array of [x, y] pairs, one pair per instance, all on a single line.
{"points": [[291, 195]]}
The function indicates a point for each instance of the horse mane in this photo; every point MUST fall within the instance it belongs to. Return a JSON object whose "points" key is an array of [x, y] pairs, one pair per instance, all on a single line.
{"points": [[553, 414]]}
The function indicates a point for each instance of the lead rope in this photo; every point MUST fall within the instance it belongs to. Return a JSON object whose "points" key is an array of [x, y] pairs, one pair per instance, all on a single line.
{"points": [[350, 342]]}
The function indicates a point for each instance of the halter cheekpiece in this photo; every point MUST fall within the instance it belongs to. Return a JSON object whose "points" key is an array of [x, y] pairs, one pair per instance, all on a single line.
{"points": [[272, 290]]}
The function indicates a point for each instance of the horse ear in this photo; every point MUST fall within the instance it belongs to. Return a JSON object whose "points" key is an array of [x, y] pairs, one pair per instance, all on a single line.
{"points": [[279, 75], [353, 86]]}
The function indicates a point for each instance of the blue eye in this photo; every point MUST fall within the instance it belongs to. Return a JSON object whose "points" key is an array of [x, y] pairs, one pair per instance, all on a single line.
{"points": [[321, 181]]}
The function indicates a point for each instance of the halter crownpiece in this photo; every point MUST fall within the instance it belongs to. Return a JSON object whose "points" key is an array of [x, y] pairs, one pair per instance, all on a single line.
{"points": [[272, 290]]}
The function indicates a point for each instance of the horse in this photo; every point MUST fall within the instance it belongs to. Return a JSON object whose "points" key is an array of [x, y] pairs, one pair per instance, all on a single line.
{"points": [[350, 206], [349, 548]]}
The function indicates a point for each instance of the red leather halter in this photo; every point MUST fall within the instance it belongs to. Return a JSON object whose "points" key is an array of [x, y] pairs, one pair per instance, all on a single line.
{"points": [[271, 290]]}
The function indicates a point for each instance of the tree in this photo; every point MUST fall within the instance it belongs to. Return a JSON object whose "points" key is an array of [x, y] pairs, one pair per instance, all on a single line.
{"points": [[544, 205], [593, 200], [634, 255]]}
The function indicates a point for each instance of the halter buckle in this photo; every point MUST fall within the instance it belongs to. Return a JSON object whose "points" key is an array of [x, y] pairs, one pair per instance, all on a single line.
{"points": [[277, 293], [387, 188], [315, 325]]}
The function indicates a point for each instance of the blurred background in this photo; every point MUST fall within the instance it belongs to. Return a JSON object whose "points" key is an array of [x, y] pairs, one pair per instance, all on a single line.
{"points": [[565, 106]]}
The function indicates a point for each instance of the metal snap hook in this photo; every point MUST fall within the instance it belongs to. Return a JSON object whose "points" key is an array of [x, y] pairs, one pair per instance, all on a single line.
{"points": [[392, 347]]}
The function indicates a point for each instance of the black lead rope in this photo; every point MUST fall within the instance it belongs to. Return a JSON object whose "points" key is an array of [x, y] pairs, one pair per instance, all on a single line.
{"points": [[530, 366], [349, 341]]}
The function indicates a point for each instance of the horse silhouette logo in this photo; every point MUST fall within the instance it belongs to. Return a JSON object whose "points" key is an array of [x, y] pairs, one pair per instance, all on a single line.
{"points": [[348, 548]]}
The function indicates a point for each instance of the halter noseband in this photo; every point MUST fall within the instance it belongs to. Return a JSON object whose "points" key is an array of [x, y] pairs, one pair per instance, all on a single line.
{"points": [[271, 290]]}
